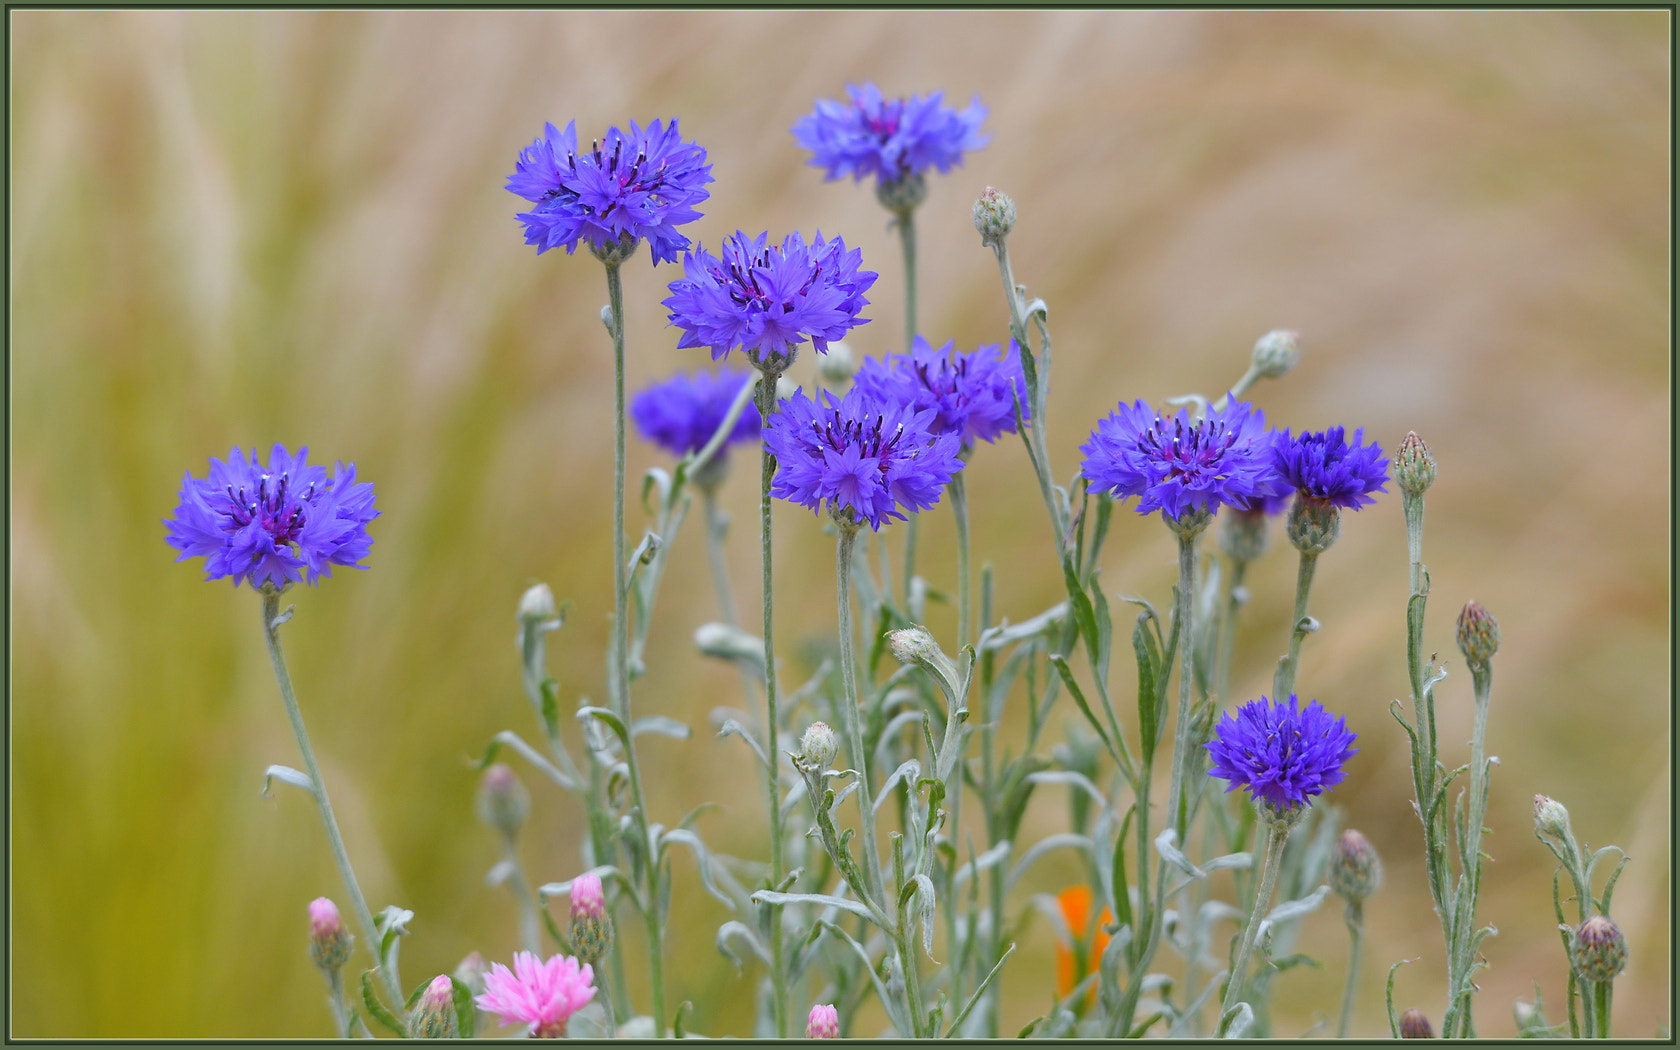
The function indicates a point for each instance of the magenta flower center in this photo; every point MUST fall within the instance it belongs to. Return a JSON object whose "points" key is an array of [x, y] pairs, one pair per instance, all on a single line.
{"points": [[279, 517], [1192, 450]]}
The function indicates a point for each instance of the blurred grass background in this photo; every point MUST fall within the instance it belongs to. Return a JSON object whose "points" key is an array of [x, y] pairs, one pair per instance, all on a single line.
{"points": [[242, 227]]}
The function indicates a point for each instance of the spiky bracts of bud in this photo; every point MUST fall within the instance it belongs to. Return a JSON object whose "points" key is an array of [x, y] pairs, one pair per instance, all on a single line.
{"points": [[1414, 1025], [1276, 353], [902, 196], [1414, 467], [1550, 818], [823, 1022], [1243, 535], [1355, 868], [591, 931], [1478, 635], [536, 605], [329, 941], [1313, 524], [434, 1014], [818, 748], [1597, 950], [994, 216], [503, 801]]}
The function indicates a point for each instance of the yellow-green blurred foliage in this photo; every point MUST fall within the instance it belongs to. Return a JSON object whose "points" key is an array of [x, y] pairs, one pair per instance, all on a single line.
{"points": [[247, 227]]}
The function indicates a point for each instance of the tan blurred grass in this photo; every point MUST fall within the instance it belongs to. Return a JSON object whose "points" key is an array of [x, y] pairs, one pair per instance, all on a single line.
{"points": [[241, 227]]}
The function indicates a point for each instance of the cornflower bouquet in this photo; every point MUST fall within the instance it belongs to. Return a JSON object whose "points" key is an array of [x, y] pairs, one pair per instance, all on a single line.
{"points": [[889, 896]]}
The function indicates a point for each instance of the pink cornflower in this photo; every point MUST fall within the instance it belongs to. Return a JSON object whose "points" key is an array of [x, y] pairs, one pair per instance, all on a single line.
{"points": [[541, 994]]}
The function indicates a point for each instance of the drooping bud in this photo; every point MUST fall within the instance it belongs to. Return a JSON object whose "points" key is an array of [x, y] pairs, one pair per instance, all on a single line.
{"points": [[1355, 868], [1550, 818], [823, 1023], [901, 196], [1313, 524], [591, 932], [1598, 951], [916, 645], [818, 748], [1478, 635], [434, 1014], [536, 605], [503, 801], [1276, 353], [329, 941], [837, 366], [1414, 467], [725, 641], [1242, 536], [1413, 1025], [994, 216]]}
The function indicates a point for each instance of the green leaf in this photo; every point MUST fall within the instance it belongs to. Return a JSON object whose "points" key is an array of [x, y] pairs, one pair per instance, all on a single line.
{"points": [[1118, 884], [661, 725], [823, 899], [611, 721], [554, 931], [678, 1031], [551, 707], [1151, 694], [1084, 614], [1610, 884], [377, 1010], [1393, 1021], [466, 1011], [1035, 1022], [414, 996], [1139, 1031], [1059, 662], [980, 990], [702, 858]]}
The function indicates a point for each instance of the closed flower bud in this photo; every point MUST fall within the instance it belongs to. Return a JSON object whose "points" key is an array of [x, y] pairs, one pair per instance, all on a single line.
{"points": [[536, 605], [1550, 818], [591, 932], [1242, 536], [1478, 635], [728, 642], [916, 645], [1355, 868], [1276, 353], [823, 1023], [329, 941], [994, 216], [470, 972], [434, 1014], [1414, 467], [503, 801], [838, 365], [901, 196], [1413, 1025], [1313, 524], [1598, 951], [818, 748]]}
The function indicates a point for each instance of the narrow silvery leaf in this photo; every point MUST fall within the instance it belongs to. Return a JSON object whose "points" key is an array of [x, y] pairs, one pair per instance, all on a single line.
{"points": [[1073, 778], [500, 873], [1008, 634], [661, 725], [730, 727], [542, 765], [983, 862], [736, 930], [908, 771], [824, 899], [893, 1003], [702, 857], [1043, 846], [925, 904], [1165, 844], [1296, 908], [288, 775], [1236, 1021]]}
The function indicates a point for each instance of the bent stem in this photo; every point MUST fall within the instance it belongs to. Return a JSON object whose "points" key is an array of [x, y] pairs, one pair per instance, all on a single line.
{"points": [[1276, 837], [318, 787], [764, 398]]}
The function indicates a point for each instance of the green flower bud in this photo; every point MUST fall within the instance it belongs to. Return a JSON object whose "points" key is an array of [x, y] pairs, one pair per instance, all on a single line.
{"points": [[1414, 467], [1313, 524], [1242, 536], [1550, 818], [1478, 635], [1355, 868], [818, 748], [1276, 353], [503, 801], [616, 252], [903, 195], [1598, 951], [434, 1014], [1413, 1025], [536, 605], [994, 216]]}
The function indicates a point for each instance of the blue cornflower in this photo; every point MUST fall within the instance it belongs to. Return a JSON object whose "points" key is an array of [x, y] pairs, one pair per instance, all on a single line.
{"points": [[1283, 754], [891, 139], [681, 414], [1178, 466], [971, 395], [1326, 467], [273, 524], [871, 459], [767, 300], [640, 186]]}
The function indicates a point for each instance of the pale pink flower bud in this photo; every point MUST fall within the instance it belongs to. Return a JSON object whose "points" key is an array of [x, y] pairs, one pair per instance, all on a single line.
{"points": [[434, 1014], [591, 932], [329, 941], [824, 1022]]}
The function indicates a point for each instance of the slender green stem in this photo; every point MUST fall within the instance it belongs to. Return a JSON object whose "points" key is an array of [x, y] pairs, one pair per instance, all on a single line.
{"points": [[271, 634], [530, 926], [905, 220], [1356, 936], [1177, 803], [714, 555], [912, 531], [1249, 378], [621, 651], [335, 990], [1283, 683], [959, 509], [1276, 837], [1601, 1006], [854, 716], [765, 399]]}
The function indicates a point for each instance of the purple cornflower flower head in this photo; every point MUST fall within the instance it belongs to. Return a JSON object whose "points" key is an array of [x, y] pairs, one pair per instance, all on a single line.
{"points": [[1283, 754], [890, 138], [681, 414], [1178, 466], [1326, 467], [272, 525], [871, 459], [636, 186], [767, 300], [823, 1022], [541, 994], [972, 395]]}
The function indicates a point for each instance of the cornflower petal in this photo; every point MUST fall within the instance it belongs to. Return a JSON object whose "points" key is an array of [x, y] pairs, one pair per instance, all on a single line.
{"points": [[890, 139]]}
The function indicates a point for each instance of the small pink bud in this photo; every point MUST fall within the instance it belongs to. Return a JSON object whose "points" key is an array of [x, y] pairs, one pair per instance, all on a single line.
{"points": [[824, 1022], [591, 931], [434, 1014], [329, 941], [587, 898]]}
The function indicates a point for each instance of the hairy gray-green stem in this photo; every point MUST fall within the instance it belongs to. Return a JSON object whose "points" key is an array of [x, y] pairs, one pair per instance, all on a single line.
{"points": [[765, 400]]}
